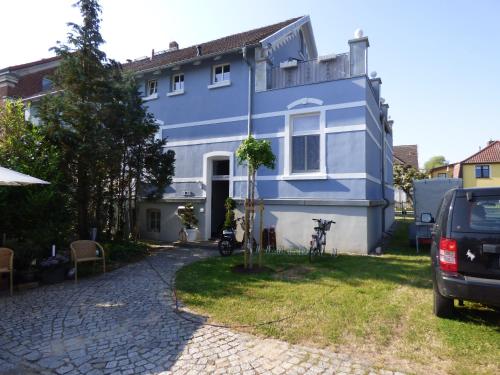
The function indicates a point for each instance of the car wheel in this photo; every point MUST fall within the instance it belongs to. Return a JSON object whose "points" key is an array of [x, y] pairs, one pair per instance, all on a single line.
{"points": [[443, 307]]}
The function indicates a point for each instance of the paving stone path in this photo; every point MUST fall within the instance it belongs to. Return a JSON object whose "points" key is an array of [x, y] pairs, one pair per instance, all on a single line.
{"points": [[124, 322]]}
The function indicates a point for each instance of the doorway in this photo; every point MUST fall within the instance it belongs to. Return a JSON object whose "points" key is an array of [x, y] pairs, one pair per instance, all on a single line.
{"points": [[220, 191], [217, 178]]}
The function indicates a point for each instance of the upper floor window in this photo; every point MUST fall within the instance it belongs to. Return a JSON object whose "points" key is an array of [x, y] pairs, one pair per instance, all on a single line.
{"points": [[178, 82], [153, 220], [482, 171], [152, 87], [305, 143], [221, 73]]}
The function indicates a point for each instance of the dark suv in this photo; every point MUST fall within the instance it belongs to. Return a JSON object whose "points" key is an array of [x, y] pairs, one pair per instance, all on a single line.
{"points": [[465, 249]]}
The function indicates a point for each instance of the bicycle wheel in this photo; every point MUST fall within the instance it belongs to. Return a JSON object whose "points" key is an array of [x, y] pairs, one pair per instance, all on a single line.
{"points": [[225, 248]]}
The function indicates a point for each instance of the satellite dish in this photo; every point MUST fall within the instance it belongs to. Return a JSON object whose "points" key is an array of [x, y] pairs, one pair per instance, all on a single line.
{"points": [[358, 33], [373, 74], [382, 100]]}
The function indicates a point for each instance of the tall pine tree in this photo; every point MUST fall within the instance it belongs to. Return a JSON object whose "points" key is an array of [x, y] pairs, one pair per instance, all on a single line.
{"points": [[106, 136]]}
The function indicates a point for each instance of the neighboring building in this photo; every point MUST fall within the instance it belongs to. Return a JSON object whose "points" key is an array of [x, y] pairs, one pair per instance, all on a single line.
{"points": [[479, 170], [483, 168], [28, 82], [324, 118], [445, 171], [406, 155]]}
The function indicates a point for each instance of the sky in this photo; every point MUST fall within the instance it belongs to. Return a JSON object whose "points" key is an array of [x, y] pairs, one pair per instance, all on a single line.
{"points": [[439, 60]]}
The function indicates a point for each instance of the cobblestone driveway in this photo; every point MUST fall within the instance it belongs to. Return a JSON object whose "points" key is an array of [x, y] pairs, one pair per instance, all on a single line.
{"points": [[124, 322]]}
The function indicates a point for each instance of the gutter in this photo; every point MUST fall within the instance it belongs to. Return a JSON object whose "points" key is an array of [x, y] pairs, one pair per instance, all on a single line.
{"points": [[192, 60], [249, 103]]}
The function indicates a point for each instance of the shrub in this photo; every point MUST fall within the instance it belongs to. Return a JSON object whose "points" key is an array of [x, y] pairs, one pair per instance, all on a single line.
{"points": [[125, 251]]}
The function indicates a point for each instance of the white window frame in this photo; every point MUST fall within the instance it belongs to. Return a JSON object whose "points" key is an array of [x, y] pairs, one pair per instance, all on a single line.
{"points": [[214, 82], [288, 174], [149, 228], [173, 89], [149, 85]]}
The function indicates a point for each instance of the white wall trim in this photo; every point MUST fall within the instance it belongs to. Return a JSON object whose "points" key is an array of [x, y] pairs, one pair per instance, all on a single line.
{"points": [[222, 139], [304, 101], [223, 120], [373, 137], [188, 179], [377, 120], [330, 130], [312, 176]]}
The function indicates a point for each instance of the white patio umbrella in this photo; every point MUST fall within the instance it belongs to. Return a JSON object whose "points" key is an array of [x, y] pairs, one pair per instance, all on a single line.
{"points": [[8, 177]]}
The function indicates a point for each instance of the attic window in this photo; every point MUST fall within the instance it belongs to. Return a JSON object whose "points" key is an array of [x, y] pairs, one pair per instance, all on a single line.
{"points": [[221, 73], [152, 87]]}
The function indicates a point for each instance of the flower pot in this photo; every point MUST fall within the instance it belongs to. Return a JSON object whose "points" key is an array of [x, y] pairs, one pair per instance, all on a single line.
{"points": [[191, 234], [53, 275]]}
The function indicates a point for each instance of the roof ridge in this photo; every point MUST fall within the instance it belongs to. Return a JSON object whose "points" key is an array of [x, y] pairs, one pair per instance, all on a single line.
{"points": [[480, 151], [32, 63], [286, 22]]}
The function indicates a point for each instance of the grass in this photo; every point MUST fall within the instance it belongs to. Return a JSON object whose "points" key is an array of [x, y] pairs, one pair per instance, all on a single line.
{"points": [[379, 307]]}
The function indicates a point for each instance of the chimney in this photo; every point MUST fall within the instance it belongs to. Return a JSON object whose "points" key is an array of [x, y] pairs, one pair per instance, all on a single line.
{"points": [[198, 50], [173, 46], [152, 53], [358, 53]]}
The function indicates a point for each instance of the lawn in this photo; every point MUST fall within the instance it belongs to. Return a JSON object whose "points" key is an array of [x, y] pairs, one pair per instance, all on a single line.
{"points": [[378, 307]]}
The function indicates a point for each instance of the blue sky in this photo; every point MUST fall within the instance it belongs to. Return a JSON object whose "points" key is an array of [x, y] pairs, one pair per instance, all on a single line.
{"points": [[439, 60]]}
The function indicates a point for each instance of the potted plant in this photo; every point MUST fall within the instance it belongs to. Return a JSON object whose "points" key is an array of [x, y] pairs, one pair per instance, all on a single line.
{"points": [[189, 221], [230, 205], [54, 269]]}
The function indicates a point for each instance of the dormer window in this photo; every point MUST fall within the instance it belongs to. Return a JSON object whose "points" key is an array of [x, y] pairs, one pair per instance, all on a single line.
{"points": [[221, 73], [178, 82], [152, 87]]}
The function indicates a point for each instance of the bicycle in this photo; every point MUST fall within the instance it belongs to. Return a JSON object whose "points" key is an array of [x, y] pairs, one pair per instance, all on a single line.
{"points": [[318, 240]]}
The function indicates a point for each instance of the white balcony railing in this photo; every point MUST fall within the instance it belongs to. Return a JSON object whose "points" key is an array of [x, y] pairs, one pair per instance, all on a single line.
{"points": [[311, 71]]}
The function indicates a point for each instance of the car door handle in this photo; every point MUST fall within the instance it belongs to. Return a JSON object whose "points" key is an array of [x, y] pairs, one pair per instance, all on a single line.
{"points": [[491, 248]]}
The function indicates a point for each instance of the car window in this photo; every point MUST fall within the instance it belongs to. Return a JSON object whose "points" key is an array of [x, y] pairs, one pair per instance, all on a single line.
{"points": [[482, 214]]}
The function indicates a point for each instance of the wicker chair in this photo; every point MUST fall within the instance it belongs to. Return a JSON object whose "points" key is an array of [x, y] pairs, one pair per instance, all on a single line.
{"points": [[7, 264], [86, 251]]}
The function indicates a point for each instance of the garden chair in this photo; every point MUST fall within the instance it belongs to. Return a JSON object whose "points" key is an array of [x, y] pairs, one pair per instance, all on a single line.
{"points": [[87, 251], [7, 264]]}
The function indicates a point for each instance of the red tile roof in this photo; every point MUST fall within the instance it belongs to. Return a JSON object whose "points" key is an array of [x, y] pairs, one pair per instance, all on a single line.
{"points": [[489, 154], [406, 155], [33, 63], [218, 46]]}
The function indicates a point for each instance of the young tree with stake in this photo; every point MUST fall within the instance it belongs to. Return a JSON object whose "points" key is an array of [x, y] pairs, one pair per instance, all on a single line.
{"points": [[254, 153]]}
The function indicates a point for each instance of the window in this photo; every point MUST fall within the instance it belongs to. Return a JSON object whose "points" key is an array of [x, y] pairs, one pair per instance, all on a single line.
{"points": [[442, 175], [152, 87], [154, 219], [178, 82], [482, 171], [222, 73], [305, 143]]}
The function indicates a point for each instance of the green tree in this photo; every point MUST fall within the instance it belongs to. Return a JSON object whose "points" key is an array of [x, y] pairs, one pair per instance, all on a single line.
{"points": [[435, 161], [107, 138], [404, 176], [255, 154], [39, 213]]}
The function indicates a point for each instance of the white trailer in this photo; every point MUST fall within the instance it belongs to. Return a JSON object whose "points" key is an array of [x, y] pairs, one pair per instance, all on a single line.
{"points": [[427, 195]]}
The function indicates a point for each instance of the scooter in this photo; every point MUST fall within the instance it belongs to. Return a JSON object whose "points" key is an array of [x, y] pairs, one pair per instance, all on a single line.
{"points": [[228, 242]]}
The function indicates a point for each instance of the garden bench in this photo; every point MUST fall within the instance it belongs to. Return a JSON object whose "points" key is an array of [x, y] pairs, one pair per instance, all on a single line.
{"points": [[7, 264], [87, 251]]}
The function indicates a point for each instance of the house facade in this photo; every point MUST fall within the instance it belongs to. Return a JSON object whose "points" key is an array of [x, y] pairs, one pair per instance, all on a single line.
{"points": [[481, 169], [323, 115], [405, 155]]}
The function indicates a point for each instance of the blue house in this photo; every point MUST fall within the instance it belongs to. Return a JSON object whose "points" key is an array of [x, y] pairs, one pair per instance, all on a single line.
{"points": [[324, 116]]}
